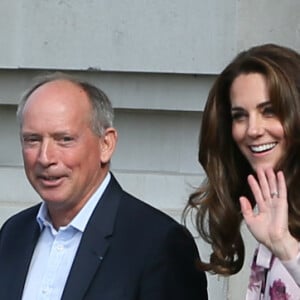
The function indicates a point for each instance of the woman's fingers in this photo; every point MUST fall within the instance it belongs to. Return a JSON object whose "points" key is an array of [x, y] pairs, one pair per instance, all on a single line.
{"points": [[282, 191], [246, 208], [257, 192], [268, 186], [271, 184]]}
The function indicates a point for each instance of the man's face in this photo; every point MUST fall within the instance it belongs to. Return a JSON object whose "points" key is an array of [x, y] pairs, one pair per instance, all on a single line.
{"points": [[62, 155]]}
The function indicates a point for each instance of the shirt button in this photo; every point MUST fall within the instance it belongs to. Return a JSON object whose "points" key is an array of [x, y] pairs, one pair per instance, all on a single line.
{"points": [[45, 291], [59, 247]]}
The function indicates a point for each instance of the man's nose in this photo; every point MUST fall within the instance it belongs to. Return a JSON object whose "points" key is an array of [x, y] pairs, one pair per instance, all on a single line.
{"points": [[47, 153]]}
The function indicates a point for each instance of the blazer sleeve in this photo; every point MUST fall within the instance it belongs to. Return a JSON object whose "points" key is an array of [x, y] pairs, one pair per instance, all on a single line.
{"points": [[171, 272]]}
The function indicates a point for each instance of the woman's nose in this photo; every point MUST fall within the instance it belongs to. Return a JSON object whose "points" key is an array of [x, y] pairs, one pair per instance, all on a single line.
{"points": [[255, 126]]}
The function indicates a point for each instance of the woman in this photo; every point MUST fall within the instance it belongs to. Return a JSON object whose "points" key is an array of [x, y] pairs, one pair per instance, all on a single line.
{"points": [[250, 150]]}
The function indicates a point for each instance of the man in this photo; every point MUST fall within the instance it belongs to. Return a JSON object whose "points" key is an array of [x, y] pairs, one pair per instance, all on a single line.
{"points": [[88, 239]]}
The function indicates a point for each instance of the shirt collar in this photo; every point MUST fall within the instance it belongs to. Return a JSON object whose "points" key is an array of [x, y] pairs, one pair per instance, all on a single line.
{"points": [[80, 221], [264, 257]]}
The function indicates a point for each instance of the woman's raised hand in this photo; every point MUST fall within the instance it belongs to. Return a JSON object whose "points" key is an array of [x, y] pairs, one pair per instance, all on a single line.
{"points": [[269, 223]]}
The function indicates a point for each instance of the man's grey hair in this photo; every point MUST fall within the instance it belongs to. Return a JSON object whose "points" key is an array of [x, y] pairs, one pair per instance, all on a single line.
{"points": [[102, 112]]}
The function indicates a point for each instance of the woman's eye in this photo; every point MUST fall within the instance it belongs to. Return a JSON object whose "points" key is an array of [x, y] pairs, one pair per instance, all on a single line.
{"points": [[236, 116], [268, 111]]}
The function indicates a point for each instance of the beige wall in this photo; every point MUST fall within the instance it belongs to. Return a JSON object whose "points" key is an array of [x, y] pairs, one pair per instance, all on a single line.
{"points": [[156, 60]]}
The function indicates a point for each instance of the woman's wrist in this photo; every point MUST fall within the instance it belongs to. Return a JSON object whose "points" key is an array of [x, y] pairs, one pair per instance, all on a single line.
{"points": [[287, 250]]}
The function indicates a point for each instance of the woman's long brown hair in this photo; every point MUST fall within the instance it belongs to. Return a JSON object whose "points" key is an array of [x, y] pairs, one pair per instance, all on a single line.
{"points": [[216, 201]]}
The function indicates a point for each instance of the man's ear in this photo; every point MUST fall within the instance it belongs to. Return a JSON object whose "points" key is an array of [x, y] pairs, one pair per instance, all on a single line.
{"points": [[108, 143]]}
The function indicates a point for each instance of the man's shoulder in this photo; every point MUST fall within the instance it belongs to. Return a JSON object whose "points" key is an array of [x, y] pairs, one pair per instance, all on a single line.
{"points": [[133, 208], [146, 226], [142, 212], [22, 217]]}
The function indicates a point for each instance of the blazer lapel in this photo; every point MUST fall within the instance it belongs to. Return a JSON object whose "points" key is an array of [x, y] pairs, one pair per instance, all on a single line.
{"points": [[94, 243], [21, 252]]}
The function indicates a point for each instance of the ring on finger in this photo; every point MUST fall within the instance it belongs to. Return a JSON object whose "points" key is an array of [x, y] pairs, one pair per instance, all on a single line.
{"points": [[274, 194]]}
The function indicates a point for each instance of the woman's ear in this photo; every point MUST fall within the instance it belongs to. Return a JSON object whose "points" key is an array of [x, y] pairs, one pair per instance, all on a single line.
{"points": [[108, 143]]}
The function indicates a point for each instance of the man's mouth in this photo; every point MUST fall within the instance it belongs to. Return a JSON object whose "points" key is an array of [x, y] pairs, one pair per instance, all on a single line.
{"points": [[49, 178]]}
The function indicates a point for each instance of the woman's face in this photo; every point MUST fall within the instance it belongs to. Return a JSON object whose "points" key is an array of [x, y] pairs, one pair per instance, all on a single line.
{"points": [[256, 130]]}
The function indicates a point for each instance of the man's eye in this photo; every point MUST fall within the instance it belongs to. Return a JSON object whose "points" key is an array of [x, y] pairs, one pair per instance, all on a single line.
{"points": [[66, 139], [30, 140]]}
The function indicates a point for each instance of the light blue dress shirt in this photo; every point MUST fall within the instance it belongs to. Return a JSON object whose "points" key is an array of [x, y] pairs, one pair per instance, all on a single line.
{"points": [[55, 251]]}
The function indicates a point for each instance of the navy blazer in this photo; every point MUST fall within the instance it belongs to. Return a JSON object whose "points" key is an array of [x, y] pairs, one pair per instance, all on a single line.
{"points": [[129, 251]]}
